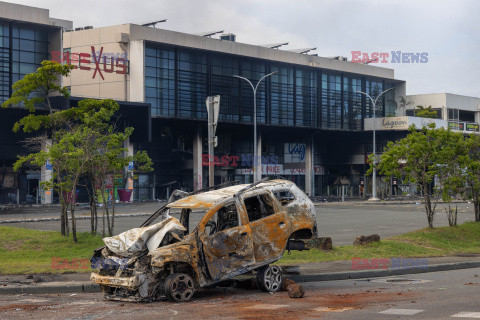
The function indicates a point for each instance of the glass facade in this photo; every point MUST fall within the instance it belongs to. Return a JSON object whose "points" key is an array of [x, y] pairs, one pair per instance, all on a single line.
{"points": [[22, 49], [177, 81], [4, 62]]}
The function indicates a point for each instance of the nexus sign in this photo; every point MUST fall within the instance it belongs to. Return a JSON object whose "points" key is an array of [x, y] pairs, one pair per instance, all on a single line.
{"points": [[103, 63]]}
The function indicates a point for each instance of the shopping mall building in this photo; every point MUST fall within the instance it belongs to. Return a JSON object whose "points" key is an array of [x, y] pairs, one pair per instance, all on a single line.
{"points": [[313, 127]]}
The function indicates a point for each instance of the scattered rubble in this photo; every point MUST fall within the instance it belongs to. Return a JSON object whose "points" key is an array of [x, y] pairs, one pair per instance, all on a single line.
{"points": [[285, 283], [295, 291], [321, 243], [363, 240]]}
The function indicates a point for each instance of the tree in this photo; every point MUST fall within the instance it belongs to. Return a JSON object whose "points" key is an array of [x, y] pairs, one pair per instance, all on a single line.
{"points": [[108, 154], [418, 158], [401, 104], [469, 161], [35, 90], [427, 112], [450, 175]]}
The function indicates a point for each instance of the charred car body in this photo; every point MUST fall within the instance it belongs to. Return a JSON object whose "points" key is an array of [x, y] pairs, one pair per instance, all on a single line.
{"points": [[241, 229]]}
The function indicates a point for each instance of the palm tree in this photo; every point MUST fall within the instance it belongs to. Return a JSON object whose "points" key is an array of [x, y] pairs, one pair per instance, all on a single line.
{"points": [[402, 103]]}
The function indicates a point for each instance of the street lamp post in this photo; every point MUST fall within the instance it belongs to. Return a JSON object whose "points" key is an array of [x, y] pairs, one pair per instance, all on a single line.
{"points": [[374, 175], [254, 88]]}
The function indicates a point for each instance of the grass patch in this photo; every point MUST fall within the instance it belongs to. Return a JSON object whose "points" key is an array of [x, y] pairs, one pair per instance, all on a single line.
{"points": [[31, 251], [443, 241]]}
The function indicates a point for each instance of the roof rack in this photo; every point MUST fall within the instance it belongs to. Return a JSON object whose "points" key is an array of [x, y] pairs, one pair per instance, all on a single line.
{"points": [[218, 186], [250, 186]]}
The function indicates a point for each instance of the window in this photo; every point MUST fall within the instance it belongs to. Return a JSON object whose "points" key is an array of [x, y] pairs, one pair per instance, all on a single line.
{"points": [[228, 87], [29, 48], [160, 81], [225, 218], [306, 98], [284, 196], [282, 93], [259, 207]]}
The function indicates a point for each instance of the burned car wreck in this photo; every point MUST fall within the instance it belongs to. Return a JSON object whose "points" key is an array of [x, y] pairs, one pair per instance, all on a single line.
{"points": [[240, 229]]}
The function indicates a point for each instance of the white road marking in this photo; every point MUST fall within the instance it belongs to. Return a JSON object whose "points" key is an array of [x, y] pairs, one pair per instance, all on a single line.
{"points": [[402, 312], [327, 309], [466, 314], [35, 300], [268, 306]]}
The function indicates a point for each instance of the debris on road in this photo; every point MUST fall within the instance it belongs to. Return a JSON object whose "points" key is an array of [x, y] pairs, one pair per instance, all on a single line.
{"points": [[285, 283], [363, 240], [295, 291], [242, 230], [321, 243]]}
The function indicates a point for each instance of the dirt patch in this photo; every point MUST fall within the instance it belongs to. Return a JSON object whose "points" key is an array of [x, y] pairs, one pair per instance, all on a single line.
{"points": [[24, 307], [278, 306], [13, 246]]}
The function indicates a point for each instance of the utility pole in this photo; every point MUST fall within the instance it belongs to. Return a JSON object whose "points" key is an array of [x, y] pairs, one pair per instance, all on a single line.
{"points": [[374, 175], [213, 109], [257, 172]]}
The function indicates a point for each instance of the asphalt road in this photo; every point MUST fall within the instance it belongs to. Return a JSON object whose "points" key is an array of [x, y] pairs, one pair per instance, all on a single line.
{"points": [[341, 221], [439, 295]]}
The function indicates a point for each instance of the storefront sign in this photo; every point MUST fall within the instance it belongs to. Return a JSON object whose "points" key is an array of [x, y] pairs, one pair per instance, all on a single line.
{"points": [[457, 126], [394, 123], [103, 63], [277, 169], [243, 160], [294, 152], [402, 123], [473, 127]]}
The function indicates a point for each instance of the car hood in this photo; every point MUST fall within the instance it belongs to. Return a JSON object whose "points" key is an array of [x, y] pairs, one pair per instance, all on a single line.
{"points": [[131, 242]]}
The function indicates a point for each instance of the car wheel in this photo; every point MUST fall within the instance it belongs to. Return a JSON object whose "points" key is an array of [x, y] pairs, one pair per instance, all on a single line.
{"points": [[179, 287], [269, 278]]}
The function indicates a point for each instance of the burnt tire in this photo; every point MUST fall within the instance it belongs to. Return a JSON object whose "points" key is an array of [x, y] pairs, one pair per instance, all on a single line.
{"points": [[269, 278], [179, 287]]}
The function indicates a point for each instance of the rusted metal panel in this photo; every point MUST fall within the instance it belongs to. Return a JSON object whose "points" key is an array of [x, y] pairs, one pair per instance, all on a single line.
{"points": [[131, 242], [237, 248]]}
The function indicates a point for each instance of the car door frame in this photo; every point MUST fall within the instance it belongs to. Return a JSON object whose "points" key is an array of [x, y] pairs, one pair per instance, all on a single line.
{"points": [[260, 237], [222, 265]]}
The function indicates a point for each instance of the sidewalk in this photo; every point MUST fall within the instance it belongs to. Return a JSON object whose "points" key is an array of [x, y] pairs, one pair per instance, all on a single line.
{"points": [[82, 211], [308, 272], [146, 208]]}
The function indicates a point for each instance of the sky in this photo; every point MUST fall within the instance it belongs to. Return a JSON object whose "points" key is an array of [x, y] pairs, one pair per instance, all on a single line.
{"points": [[448, 31]]}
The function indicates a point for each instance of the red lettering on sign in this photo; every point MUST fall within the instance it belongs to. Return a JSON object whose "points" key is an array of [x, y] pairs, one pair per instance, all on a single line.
{"points": [[97, 62], [110, 69], [84, 58], [122, 64]]}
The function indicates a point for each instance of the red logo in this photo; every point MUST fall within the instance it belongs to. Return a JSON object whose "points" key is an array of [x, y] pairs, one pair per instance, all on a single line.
{"points": [[102, 62]]}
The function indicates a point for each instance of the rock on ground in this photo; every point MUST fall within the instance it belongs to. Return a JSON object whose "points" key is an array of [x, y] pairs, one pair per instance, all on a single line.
{"points": [[363, 240], [295, 291], [285, 283], [322, 243]]}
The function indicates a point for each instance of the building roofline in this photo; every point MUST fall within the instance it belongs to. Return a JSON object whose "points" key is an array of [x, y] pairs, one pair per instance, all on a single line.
{"points": [[444, 93], [31, 15], [163, 36], [139, 32]]}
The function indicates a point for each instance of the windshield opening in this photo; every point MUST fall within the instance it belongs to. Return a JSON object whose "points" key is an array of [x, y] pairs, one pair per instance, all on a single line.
{"points": [[188, 217]]}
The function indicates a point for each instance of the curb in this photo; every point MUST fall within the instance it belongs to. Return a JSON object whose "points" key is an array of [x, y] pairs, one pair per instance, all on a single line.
{"points": [[82, 287], [381, 273], [52, 287], [118, 215], [382, 202]]}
